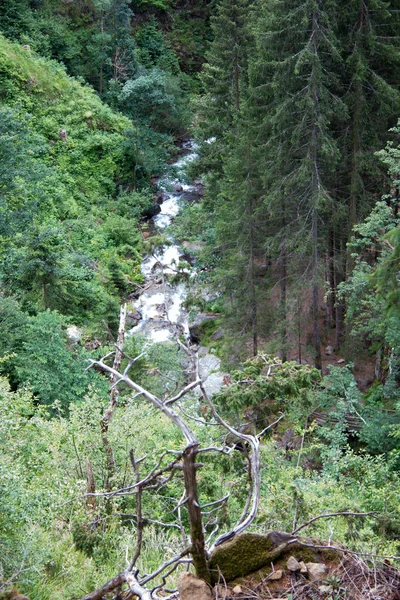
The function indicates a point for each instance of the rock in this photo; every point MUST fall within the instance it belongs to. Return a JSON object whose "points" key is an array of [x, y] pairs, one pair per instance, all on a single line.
{"points": [[247, 553], [177, 187], [237, 590], [208, 364], [196, 326], [152, 210], [191, 587], [214, 383], [341, 361], [275, 575], [293, 565], [329, 350], [303, 567], [74, 334], [316, 570], [133, 317], [325, 589], [218, 335]]}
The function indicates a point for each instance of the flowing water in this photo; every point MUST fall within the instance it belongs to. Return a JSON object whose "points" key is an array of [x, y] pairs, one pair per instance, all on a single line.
{"points": [[161, 305]]}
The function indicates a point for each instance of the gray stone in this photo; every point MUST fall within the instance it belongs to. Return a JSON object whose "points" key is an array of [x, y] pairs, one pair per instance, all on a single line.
{"points": [[316, 570], [74, 334], [218, 335], [275, 575], [208, 364], [195, 327], [214, 383], [133, 317], [293, 564], [329, 350], [191, 587]]}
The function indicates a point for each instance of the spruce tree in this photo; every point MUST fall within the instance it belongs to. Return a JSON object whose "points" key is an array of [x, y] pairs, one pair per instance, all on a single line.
{"points": [[225, 82], [294, 81], [369, 33]]}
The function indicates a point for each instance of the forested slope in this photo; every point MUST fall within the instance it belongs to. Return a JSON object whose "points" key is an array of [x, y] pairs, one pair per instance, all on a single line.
{"points": [[294, 261]]}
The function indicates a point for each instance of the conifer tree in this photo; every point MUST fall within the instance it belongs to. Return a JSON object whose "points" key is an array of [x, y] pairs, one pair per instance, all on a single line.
{"points": [[239, 235], [297, 50], [224, 80], [369, 33]]}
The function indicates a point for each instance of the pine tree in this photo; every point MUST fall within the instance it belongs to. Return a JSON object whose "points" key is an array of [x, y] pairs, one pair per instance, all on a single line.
{"points": [[239, 235], [225, 82], [369, 32], [294, 83]]}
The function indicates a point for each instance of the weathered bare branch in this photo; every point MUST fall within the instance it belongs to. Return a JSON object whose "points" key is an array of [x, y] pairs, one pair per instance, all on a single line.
{"points": [[166, 410], [337, 514], [182, 393], [254, 491], [139, 517], [108, 587], [270, 426], [165, 565], [114, 394]]}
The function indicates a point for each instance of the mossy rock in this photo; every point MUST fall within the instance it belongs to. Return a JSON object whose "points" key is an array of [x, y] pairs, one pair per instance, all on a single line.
{"points": [[250, 552]]}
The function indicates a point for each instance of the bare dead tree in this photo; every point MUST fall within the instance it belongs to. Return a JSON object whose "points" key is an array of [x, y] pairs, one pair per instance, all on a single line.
{"points": [[184, 462], [105, 421]]}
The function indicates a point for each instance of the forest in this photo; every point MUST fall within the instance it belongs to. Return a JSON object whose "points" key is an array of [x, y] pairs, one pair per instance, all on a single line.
{"points": [[199, 299]]}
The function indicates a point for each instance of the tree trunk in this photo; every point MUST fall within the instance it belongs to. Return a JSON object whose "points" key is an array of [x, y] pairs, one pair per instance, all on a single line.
{"points": [[198, 550], [105, 421], [315, 191]]}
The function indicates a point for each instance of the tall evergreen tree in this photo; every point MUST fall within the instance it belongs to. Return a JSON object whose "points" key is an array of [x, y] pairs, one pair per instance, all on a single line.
{"points": [[297, 51], [225, 82], [369, 33]]}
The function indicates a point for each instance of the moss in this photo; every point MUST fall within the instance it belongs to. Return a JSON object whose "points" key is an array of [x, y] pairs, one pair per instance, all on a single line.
{"points": [[251, 552], [246, 553]]}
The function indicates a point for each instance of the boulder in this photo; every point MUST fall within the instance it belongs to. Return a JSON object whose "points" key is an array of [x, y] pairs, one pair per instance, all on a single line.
{"points": [[250, 552], [316, 570], [152, 210], [217, 335], [74, 334], [191, 587], [329, 350], [196, 326], [208, 364], [133, 317], [247, 553]]}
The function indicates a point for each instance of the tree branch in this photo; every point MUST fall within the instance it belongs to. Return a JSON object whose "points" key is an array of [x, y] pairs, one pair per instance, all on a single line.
{"points": [[337, 514]]}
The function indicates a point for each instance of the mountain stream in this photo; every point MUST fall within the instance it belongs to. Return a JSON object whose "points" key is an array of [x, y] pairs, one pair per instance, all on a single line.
{"points": [[159, 309]]}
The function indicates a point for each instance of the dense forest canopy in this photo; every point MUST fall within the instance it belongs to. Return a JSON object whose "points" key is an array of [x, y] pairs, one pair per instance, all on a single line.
{"points": [[291, 268]]}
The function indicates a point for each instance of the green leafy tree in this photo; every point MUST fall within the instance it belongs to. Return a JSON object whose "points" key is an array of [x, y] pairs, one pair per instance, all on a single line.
{"points": [[48, 367]]}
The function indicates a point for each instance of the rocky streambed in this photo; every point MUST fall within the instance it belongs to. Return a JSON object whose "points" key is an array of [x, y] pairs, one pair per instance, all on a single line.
{"points": [[159, 311]]}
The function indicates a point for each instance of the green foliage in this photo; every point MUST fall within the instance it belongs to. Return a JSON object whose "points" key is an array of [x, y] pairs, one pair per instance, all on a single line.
{"points": [[47, 367], [154, 98], [50, 189], [267, 386]]}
